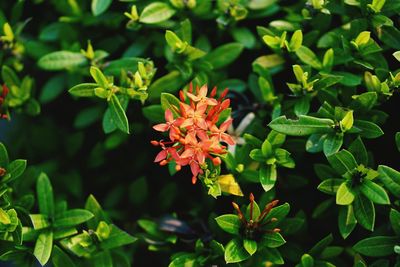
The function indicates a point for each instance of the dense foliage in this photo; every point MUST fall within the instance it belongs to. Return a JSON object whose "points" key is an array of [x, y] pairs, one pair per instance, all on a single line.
{"points": [[145, 125]]}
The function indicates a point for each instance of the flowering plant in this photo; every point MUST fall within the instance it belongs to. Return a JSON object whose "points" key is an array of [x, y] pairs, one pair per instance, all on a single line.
{"points": [[195, 130]]}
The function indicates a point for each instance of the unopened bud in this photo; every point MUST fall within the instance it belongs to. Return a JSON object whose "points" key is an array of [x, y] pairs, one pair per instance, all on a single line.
{"points": [[276, 230], [163, 162], [178, 168], [216, 161], [155, 143], [2, 171], [251, 197], [182, 96]]}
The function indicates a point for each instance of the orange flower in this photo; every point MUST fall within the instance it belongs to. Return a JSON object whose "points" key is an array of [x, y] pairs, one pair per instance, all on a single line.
{"points": [[195, 136]]}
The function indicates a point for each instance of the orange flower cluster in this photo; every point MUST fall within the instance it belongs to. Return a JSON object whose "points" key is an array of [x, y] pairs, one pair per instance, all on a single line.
{"points": [[194, 134], [3, 96]]}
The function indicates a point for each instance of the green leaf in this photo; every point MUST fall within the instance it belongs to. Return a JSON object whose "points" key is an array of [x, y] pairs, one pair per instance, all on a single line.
{"points": [[52, 89], [273, 255], [156, 12], [390, 179], [279, 212], [224, 55], [61, 259], [61, 60], [235, 252], [250, 246], [171, 102], [117, 238], [43, 247], [332, 144], [308, 57], [364, 212], [244, 36], [118, 114], [94, 207], [168, 83], [272, 240], [3, 156], [330, 186], [100, 6], [296, 40], [268, 176], [307, 261], [83, 90], [9, 76], [326, 82], [317, 249], [99, 77], [377, 246], [397, 55], [368, 129], [374, 192], [342, 161], [344, 195], [395, 220], [45, 195], [39, 221], [377, 5], [358, 150], [229, 223], [304, 126], [72, 218], [266, 148], [256, 211], [390, 36], [102, 259], [346, 220], [126, 64], [16, 168]]}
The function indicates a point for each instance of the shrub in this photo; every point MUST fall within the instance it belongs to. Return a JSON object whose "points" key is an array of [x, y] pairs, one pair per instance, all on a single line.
{"points": [[166, 111]]}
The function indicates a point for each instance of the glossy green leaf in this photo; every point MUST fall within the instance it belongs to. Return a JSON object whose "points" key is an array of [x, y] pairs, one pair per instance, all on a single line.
{"points": [[61, 259], [72, 217], [395, 220], [342, 161], [118, 114], [377, 246], [171, 102], [268, 176], [330, 186], [100, 6], [43, 247], [224, 55], [344, 195], [346, 220], [156, 12], [364, 212], [368, 129], [272, 240], [250, 246], [229, 223], [332, 144], [390, 179], [308, 57], [45, 196], [374, 192], [305, 125], [61, 60], [235, 252]]}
